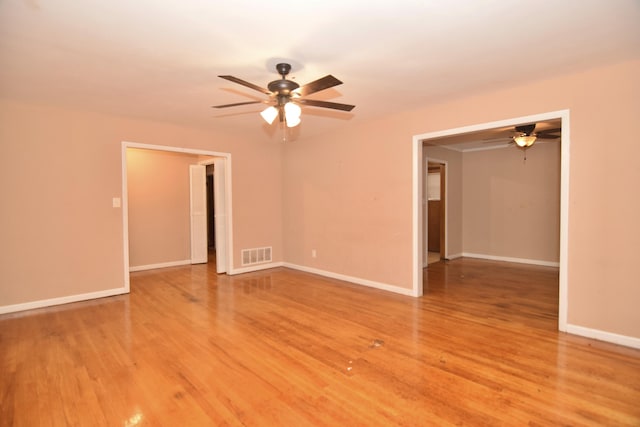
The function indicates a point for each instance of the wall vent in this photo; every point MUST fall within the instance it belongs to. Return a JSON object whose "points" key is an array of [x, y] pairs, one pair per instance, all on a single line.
{"points": [[256, 255]]}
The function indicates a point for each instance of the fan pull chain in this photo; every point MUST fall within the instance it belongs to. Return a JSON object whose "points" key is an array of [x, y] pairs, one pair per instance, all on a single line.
{"points": [[283, 130]]}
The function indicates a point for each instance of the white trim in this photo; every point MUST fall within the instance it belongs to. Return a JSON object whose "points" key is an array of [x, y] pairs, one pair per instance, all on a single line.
{"points": [[125, 218], [454, 256], [563, 299], [490, 147], [416, 217], [229, 206], [417, 143], [467, 150], [160, 265], [61, 300], [512, 259], [597, 334], [351, 279], [175, 149]]}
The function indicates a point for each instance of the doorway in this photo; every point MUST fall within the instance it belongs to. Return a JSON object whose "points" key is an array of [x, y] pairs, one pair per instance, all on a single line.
{"points": [[436, 211], [215, 179], [419, 172], [222, 159]]}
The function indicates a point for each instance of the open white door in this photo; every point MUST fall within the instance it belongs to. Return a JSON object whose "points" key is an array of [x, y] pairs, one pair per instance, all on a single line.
{"points": [[198, 196], [220, 213]]}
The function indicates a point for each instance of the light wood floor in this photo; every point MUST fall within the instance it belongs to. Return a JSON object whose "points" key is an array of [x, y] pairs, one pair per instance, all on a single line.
{"points": [[286, 348]]}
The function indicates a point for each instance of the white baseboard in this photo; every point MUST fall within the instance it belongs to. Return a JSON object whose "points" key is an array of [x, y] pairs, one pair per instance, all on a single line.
{"points": [[511, 259], [253, 268], [61, 300], [454, 256], [604, 336], [160, 265], [351, 279]]}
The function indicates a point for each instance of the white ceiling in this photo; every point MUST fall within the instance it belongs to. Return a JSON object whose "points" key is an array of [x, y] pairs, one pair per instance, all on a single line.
{"points": [[160, 59]]}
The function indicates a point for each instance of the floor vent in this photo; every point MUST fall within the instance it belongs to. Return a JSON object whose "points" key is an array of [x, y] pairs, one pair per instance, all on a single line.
{"points": [[256, 256]]}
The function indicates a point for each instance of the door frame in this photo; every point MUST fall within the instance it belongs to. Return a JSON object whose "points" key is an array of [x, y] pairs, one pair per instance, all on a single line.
{"points": [[221, 227], [417, 210], [125, 198], [444, 246]]}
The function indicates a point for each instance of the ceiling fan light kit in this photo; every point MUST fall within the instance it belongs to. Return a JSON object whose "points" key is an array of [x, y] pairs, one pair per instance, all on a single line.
{"points": [[525, 136], [286, 96], [292, 114], [269, 114], [524, 141]]}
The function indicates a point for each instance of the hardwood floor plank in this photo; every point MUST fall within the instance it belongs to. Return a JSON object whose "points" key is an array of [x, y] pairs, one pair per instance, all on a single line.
{"points": [[282, 347]]}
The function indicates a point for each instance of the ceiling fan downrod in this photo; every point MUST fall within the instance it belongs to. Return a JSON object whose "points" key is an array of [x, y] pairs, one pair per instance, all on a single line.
{"points": [[283, 69]]}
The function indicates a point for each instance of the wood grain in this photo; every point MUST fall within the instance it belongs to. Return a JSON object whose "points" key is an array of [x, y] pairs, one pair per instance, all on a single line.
{"points": [[286, 348]]}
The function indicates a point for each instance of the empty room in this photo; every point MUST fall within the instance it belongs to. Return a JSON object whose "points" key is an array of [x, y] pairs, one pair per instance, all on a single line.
{"points": [[324, 213]]}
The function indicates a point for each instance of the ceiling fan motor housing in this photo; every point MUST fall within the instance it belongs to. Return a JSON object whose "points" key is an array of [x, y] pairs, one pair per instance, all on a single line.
{"points": [[283, 87], [526, 129]]}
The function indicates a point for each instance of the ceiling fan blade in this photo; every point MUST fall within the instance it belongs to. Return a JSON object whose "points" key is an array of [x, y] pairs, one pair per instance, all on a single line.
{"points": [[247, 84], [324, 104], [317, 85], [555, 130], [549, 134], [236, 104], [526, 129]]}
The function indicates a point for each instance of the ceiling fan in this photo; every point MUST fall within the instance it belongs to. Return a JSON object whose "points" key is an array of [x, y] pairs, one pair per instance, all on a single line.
{"points": [[286, 96], [524, 136]]}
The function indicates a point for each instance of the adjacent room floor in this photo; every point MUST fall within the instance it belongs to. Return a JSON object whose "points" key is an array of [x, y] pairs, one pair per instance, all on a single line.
{"points": [[286, 348]]}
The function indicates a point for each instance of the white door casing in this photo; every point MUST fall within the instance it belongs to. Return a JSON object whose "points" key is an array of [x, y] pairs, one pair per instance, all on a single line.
{"points": [[220, 209]]}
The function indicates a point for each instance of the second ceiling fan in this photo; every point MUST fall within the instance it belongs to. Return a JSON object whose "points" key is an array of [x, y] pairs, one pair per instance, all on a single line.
{"points": [[286, 96], [524, 136]]}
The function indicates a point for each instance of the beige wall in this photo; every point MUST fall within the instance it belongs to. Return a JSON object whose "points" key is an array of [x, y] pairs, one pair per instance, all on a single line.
{"points": [[346, 195], [158, 201], [349, 194], [60, 170], [511, 208]]}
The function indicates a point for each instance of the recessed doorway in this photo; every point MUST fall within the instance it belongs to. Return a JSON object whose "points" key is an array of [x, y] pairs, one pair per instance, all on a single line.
{"points": [[197, 159], [454, 235]]}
